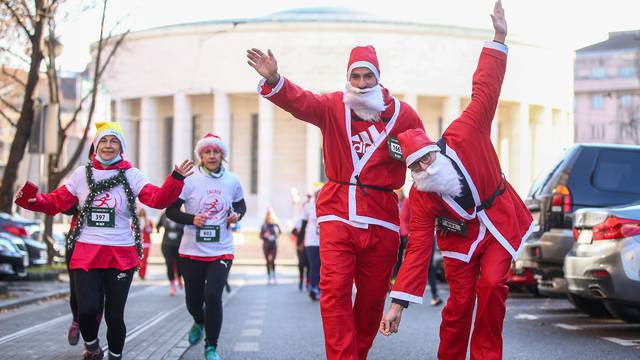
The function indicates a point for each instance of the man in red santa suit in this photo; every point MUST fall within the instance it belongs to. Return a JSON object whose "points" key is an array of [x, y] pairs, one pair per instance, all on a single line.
{"points": [[357, 209], [480, 222]]}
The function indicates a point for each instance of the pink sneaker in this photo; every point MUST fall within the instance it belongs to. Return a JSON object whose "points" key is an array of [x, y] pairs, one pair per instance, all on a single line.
{"points": [[172, 290], [180, 284], [73, 335]]}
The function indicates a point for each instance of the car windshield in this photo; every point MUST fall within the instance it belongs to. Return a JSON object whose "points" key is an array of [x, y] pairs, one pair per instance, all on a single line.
{"points": [[543, 179]]}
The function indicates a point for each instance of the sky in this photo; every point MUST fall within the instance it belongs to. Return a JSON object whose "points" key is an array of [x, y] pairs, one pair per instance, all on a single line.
{"points": [[569, 24]]}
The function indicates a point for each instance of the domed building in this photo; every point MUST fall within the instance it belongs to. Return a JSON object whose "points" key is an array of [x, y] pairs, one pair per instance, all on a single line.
{"points": [[171, 85]]}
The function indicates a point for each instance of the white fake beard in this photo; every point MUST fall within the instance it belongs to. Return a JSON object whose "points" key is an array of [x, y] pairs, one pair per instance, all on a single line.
{"points": [[366, 103], [440, 177]]}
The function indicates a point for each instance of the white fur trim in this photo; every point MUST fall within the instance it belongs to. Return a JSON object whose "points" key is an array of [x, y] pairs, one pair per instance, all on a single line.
{"points": [[404, 296], [358, 165], [413, 157], [326, 218], [364, 64], [274, 91], [496, 46], [211, 141]]}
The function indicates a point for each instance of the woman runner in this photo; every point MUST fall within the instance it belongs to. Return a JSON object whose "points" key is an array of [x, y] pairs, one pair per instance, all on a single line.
{"points": [[213, 199], [104, 252]]}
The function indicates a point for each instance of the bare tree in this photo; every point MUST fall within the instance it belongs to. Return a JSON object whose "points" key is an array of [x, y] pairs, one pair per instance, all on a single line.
{"points": [[29, 21], [57, 169]]}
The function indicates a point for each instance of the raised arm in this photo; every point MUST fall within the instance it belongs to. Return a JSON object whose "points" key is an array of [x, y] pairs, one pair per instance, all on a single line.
{"points": [[487, 80], [303, 104], [161, 197], [57, 201]]}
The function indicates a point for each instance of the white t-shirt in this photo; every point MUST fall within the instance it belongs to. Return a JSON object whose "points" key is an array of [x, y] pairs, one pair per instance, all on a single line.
{"points": [[109, 220], [312, 231], [203, 194]]}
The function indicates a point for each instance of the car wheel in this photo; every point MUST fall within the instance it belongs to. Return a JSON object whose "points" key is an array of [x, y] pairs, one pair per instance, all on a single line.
{"points": [[533, 289], [591, 307], [623, 312]]}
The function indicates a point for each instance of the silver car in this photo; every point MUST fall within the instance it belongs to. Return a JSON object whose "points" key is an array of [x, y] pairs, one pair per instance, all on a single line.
{"points": [[603, 268]]}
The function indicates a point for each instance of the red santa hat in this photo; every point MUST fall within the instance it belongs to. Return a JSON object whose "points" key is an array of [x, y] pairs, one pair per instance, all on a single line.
{"points": [[415, 144], [211, 140], [364, 56]]}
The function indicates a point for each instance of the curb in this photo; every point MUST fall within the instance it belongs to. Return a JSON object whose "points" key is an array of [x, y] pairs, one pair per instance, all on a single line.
{"points": [[11, 304]]}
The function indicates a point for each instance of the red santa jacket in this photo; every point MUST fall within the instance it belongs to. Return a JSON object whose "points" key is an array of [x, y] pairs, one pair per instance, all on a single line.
{"points": [[468, 145], [377, 167]]}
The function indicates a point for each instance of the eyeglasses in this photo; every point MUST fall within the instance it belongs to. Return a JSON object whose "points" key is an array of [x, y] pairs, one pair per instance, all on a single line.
{"points": [[420, 163]]}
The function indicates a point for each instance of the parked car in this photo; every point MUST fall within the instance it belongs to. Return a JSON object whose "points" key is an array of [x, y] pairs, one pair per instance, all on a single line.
{"points": [[588, 175], [13, 261], [603, 268], [29, 231]]}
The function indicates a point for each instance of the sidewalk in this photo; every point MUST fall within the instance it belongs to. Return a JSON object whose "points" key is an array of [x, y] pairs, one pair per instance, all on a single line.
{"points": [[248, 252]]}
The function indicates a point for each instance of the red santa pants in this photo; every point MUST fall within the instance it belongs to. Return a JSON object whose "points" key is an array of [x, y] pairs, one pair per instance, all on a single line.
{"points": [[349, 254], [484, 277]]}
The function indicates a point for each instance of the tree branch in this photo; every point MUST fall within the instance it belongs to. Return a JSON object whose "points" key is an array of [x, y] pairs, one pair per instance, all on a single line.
{"points": [[94, 91], [13, 76], [18, 20], [23, 59], [111, 53], [26, 9], [9, 105], [6, 117]]}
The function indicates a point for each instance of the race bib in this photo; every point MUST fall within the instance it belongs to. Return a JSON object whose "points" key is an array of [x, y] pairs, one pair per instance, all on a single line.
{"points": [[208, 233], [102, 217], [394, 148], [457, 227]]}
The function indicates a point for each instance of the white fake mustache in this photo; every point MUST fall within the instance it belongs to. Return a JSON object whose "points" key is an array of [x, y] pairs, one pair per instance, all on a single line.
{"points": [[366, 103], [440, 177]]}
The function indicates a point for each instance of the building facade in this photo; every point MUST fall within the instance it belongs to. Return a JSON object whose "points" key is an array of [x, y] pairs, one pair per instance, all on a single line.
{"points": [[171, 85], [607, 90]]}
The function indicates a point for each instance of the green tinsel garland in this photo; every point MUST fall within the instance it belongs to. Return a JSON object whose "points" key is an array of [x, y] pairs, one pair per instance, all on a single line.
{"points": [[97, 188]]}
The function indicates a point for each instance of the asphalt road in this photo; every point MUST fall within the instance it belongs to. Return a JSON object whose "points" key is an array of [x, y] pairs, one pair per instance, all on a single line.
{"points": [[279, 322]]}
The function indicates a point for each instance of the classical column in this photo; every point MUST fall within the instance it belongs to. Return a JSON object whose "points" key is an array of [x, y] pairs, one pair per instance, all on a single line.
{"points": [[182, 126], [450, 111], [524, 148], [495, 126], [222, 117], [545, 147], [265, 155], [124, 115], [150, 154], [312, 155], [412, 100]]}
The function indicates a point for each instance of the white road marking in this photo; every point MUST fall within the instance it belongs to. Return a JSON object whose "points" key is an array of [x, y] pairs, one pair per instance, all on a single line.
{"points": [[67, 317], [256, 314], [526, 317], [623, 342], [246, 347], [251, 332], [568, 327], [254, 322]]}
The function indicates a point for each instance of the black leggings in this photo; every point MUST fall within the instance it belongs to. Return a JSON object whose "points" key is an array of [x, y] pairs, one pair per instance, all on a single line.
{"points": [[203, 283], [170, 253], [90, 287], [73, 302], [270, 251], [303, 265]]}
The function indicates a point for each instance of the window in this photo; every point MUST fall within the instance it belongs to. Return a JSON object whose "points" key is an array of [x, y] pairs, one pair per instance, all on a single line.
{"points": [[626, 71], [625, 101], [597, 102], [617, 170], [254, 154], [598, 73]]}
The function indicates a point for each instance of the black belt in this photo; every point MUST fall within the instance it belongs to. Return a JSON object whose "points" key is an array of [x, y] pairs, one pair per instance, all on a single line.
{"points": [[499, 191], [362, 186]]}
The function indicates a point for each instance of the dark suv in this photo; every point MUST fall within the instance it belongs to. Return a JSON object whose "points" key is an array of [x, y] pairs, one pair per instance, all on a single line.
{"points": [[588, 175]]}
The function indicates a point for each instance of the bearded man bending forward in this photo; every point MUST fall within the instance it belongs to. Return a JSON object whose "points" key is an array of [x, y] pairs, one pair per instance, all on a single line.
{"points": [[357, 208], [481, 222]]}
